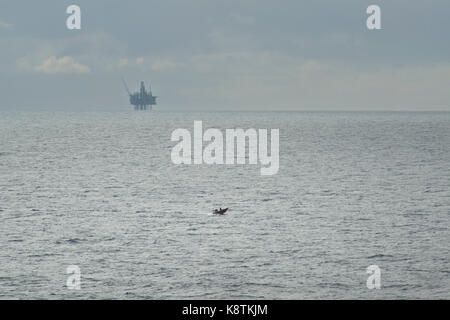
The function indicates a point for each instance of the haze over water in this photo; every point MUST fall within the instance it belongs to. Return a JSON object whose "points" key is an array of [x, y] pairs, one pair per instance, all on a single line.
{"points": [[99, 190]]}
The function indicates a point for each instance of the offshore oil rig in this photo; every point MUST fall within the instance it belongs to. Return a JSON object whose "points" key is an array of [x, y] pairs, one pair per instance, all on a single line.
{"points": [[141, 99]]}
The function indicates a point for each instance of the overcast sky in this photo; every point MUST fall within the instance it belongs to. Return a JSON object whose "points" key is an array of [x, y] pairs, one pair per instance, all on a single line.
{"points": [[226, 55]]}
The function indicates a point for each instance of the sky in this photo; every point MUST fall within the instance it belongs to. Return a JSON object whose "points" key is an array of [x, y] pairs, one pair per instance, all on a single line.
{"points": [[229, 55]]}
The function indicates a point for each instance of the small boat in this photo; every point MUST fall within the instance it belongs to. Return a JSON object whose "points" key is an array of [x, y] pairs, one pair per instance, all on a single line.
{"points": [[220, 211]]}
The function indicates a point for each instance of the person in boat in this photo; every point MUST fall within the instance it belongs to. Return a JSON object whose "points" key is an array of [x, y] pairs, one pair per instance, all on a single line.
{"points": [[220, 211]]}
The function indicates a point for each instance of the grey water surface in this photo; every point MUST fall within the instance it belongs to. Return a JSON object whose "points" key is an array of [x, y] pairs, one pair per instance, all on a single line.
{"points": [[99, 190]]}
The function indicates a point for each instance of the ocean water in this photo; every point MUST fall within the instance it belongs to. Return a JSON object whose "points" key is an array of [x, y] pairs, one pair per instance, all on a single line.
{"points": [[99, 190]]}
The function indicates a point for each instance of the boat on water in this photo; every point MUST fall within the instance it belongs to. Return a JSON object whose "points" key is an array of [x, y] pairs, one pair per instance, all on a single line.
{"points": [[220, 211]]}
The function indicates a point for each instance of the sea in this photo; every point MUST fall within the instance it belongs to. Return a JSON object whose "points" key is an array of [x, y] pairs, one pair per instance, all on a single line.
{"points": [[99, 191]]}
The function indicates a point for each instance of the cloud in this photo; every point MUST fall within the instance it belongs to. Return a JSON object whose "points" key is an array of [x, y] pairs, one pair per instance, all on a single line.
{"points": [[140, 61], [148, 63], [160, 65], [5, 25], [275, 81], [123, 63], [64, 65], [242, 19]]}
